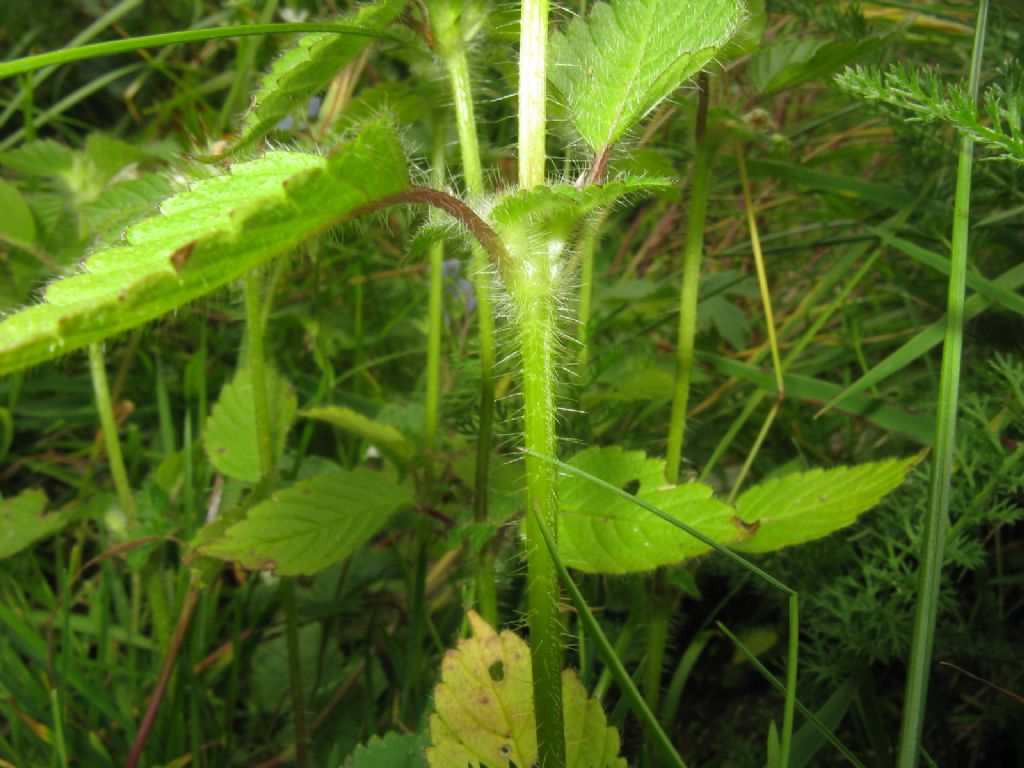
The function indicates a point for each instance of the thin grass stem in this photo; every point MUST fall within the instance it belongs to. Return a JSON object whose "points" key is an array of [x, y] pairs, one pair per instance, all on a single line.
{"points": [[937, 518]]}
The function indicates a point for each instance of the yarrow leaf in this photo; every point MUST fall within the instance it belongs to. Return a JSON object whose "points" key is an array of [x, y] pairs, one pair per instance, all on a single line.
{"points": [[613, 67], [484, 709], [204, 238]]}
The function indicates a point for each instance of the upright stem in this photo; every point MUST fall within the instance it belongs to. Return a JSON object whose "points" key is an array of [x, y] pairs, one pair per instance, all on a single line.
{"points": [[537, 315], [257, 372], [689, 289], [434, 319], [533, 94], [453, 49], [101, 392], [930, 575], [537, 347]]}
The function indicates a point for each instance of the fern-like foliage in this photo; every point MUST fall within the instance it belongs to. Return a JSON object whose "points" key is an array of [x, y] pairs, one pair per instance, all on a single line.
{"points": [[997, 124], [202, 239]]}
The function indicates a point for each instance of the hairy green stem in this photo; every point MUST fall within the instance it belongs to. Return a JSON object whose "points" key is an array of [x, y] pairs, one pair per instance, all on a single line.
{"points": [[689, 289], [936, 521], [101, 391], [533, 290], [611, 657], [538, 349]]}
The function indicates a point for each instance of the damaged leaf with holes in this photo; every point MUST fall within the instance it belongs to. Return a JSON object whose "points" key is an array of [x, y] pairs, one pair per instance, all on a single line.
{"points": [[483, 709]]}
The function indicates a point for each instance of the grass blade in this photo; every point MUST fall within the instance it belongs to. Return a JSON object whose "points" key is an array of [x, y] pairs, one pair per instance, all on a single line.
{"points": [[934, 538]]}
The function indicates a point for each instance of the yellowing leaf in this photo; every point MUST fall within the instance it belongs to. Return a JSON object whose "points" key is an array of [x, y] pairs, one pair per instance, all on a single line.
{"points": [[484, 709]]}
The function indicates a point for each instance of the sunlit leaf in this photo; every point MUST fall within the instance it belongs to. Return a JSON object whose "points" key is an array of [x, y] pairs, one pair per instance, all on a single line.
{"points": [[602, 532], [617, 64], [808, 505], [204, 238], [308, 67]]}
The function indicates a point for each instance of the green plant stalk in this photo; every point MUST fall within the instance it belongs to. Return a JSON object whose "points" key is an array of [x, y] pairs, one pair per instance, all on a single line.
{"points": [[434, 322], [456, 61], [937, 519], [537, 346], [533, 93], [257, 371], [533, 290], [611, 659], [101, 391], [688, 291]]}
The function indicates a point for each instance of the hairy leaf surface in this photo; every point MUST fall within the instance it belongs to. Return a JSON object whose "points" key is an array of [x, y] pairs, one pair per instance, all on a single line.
{"points": [[308, 68], [601, 532], [615, 66], [805, 506], [313, 524], [204, 238], [484, 709]]}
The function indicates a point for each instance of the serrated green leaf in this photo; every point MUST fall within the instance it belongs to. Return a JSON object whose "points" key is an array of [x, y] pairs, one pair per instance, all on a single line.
{"points": [[39, 158], [394, 750], [16, 223], [203, 239], [383, 436], [808, 505], [560, 206], [308, 67], [121, 204], [230, 438], [312, 525], [600, 532], [615, 66], [22, 522], [788, 63], [484, 709]]}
